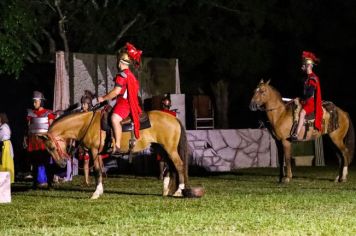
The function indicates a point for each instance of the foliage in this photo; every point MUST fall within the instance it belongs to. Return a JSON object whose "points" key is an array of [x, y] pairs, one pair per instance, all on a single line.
{"points": [[248, 202], [17, 30]]}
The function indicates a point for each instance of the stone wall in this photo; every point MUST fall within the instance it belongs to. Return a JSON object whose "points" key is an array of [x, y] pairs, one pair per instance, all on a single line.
{"points": [[95, 72], [227, 150]]}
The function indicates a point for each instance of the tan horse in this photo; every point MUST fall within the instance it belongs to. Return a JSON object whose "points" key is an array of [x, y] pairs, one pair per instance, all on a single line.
{"points": [[280, 117], [165, 130]]}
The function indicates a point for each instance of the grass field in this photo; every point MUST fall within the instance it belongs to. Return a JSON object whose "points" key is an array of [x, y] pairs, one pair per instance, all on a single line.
{"points": [[248, 202]]}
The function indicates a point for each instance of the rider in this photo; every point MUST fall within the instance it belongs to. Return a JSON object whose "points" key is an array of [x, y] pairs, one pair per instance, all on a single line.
{"points": [[311, 101], [39, 119], [126, 90]]}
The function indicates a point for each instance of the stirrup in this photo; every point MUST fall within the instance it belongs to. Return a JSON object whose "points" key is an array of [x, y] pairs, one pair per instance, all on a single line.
{"points": [[293, 137], [117, 152]]}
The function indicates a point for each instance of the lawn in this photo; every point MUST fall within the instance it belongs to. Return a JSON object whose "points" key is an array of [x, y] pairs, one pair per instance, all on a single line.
{"points": [[248, 202]]}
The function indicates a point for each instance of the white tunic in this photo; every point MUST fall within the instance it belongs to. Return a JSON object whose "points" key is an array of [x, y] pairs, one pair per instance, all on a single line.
{"points": [[5, 132]]}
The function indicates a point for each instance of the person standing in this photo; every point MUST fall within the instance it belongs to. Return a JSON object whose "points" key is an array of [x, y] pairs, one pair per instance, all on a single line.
{"points": [[39, 119], [311, 101], [6, 150], [166, 104], [83, 153], [126, 90]]}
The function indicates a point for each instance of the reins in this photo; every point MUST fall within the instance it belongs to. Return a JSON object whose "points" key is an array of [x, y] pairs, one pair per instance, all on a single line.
{"points": [[271, 109], [71, 152], [275, 108]]}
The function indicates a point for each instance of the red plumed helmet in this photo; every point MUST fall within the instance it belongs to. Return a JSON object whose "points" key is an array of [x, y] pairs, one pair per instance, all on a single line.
{"points": [[309, 58], [133, 53]]}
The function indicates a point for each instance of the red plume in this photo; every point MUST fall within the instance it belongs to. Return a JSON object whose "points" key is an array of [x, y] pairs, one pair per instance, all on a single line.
{"points": [[309, 55], [133, 53]]}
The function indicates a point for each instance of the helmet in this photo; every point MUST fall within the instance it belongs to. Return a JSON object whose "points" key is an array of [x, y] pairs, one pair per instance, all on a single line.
{"points": [[128, 54], [87, 100], [309, 58], [166, 102], [38, 96]]}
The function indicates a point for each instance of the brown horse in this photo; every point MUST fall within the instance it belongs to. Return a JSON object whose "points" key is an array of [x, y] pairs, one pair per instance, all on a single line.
{"points": [[280, 117], [165, 130]]}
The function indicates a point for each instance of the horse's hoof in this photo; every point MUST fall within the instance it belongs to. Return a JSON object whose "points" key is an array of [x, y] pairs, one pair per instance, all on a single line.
{"points": [[337, 179], [286, 180], [178, 193], [165, 193], [95, 196]]}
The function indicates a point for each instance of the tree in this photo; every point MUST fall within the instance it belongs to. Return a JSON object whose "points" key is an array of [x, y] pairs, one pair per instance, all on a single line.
{"points": [[18, 29]]}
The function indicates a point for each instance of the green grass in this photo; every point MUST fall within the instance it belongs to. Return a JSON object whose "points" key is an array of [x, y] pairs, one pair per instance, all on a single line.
{"points": [[248, 202]]}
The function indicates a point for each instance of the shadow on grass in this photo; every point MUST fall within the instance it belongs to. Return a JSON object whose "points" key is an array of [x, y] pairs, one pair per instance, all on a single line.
{"points": [[71, 189], [23, 187]]}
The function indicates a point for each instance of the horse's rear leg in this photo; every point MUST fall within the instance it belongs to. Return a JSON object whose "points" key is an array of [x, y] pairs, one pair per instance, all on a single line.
{"points": [[98, 176], [287, 149], [343, 156], [179, 165]]}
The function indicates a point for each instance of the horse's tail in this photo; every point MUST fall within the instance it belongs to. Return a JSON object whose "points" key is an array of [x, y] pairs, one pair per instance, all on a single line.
{"points": [[183, 151], [350, 139]]}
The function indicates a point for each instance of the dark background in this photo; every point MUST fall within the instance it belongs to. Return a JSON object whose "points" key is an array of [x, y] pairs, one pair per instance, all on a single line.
{"points": [[240, 43]]}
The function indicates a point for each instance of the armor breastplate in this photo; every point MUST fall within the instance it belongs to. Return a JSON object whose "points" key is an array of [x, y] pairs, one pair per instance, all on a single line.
{"points": [[38, 124]]}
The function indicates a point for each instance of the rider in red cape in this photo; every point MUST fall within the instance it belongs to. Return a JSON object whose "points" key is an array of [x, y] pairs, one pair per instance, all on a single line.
{"points": [[312, 94], [126, 90]]}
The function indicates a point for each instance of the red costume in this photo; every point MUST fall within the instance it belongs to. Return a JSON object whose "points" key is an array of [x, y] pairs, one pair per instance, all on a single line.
{"points": [[127, 100], [312, 101], [39, 121]]}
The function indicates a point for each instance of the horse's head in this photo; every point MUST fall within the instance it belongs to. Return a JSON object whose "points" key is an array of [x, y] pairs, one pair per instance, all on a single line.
{"points": [[260, 96], [56, 148]]}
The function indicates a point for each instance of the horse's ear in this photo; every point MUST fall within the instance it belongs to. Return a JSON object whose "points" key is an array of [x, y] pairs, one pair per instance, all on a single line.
{"points": [[268, 81], [261, 81], [44, 137]]}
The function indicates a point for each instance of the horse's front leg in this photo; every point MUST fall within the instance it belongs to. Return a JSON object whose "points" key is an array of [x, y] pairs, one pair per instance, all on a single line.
{"points": [[98, 176], [288, 162]]}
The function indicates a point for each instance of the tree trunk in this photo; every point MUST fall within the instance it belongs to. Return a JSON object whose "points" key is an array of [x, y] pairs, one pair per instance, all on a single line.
{"points": [[221, 93]]}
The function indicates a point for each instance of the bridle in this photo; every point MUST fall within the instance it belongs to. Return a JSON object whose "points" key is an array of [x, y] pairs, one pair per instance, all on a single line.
{"points": [[58, 147]]}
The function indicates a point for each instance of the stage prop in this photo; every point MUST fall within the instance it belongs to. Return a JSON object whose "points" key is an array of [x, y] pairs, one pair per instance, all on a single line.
{"points": [[96, 72], [228, 150], [5, 187]]}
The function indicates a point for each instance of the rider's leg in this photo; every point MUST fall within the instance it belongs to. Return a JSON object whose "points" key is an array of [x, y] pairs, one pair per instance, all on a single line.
{"points": [[116, 123], [301, 122], [86, 172]]}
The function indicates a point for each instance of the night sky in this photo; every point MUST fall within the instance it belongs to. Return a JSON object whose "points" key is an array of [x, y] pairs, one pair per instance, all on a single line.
{"points": [[209, 45]]}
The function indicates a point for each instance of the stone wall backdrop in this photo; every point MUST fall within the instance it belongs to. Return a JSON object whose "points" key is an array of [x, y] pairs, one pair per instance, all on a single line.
{"points": [[228, 150], [96, 72]]}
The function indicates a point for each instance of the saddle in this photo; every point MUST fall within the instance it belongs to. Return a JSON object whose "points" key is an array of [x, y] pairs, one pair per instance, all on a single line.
{"points": [[127, 126], [329, 122]]}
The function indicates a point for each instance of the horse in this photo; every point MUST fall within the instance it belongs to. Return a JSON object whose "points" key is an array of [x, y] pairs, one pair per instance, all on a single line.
{"points": [[280, 115], [166, 131]]}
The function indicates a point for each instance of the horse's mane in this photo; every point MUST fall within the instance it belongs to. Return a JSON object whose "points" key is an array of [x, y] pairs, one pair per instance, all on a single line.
{"points": [[69, 116], [275, 91]]}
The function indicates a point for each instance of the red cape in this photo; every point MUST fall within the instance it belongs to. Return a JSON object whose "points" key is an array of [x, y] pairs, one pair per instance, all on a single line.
{"points": [[135, 109], [318, 103]]}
